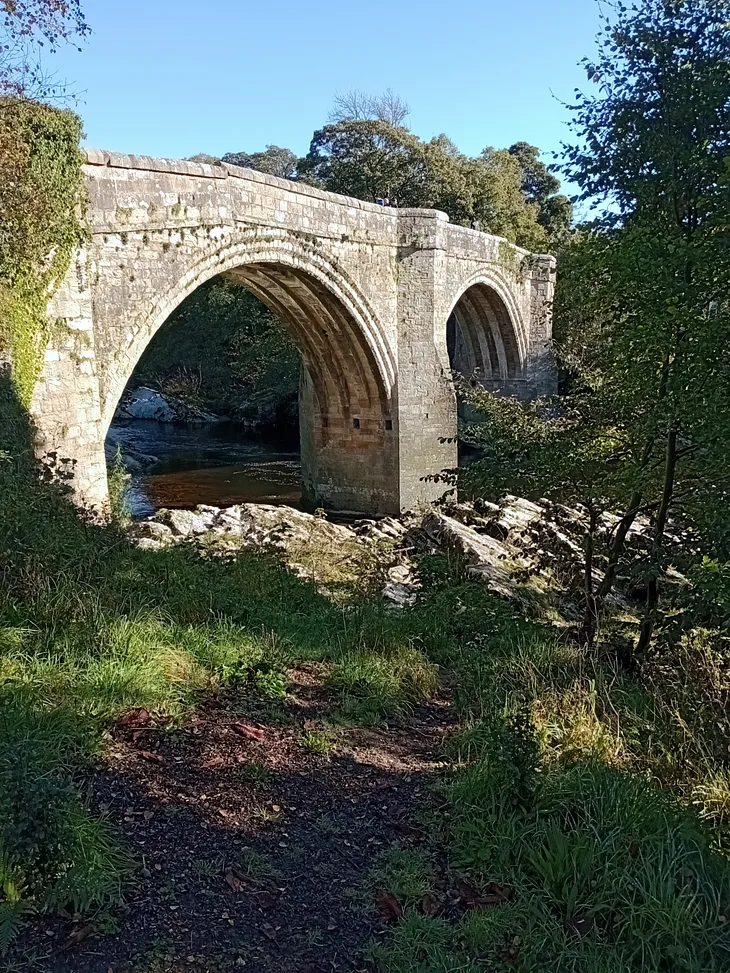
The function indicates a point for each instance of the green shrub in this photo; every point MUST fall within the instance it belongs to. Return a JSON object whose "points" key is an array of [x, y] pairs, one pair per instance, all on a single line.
{"points": [[118, 479], [41, 195]]}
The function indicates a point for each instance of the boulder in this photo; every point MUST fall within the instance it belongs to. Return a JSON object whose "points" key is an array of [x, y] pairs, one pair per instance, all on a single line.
{"points": [[486, 557], [151, 534], [185, 523], [401, 595], [146, 403], [280, 526], [231, 520], [400, 574]]}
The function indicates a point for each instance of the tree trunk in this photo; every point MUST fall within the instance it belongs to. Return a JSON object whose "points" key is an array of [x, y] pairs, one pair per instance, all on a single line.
{"points": [[589, 625], [618, 544], [652, 589]]}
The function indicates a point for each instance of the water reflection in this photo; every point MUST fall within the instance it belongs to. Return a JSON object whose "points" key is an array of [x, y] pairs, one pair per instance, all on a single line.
{"points": [[214, 463]]}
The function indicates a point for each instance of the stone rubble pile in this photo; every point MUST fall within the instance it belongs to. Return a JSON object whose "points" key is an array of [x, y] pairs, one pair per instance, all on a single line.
{"points": [[517, 548], [245, 524], [522, 549]]}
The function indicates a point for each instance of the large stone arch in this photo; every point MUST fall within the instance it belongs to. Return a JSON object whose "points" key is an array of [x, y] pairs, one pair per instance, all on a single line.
{"points": [[347, 410], [273, 248]]}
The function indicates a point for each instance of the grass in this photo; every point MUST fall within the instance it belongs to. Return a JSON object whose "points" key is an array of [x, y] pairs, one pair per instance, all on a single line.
{"points": [[259, 866], [403, 872], [572, 787], [598, 799], [320, 742], [388, 681], [254, 773]]}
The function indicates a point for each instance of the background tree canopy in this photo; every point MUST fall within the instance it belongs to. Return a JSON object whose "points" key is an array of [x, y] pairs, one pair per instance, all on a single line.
{"points": [[26, 26], [366, 150]]}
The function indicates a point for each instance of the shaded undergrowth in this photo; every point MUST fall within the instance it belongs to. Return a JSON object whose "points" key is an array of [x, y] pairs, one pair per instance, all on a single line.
{"points": [[91, 626], [572, 800]]}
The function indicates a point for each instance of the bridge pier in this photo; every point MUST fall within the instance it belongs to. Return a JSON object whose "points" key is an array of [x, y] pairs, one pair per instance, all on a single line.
{"points": [[349, 463]]}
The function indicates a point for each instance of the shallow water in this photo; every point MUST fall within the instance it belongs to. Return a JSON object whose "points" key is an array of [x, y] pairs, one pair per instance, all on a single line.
{"points": [[215, 463]]}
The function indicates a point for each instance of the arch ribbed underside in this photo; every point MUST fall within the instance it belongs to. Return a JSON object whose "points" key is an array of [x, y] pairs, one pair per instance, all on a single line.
{"points": [[483, 343], [345, 377]]}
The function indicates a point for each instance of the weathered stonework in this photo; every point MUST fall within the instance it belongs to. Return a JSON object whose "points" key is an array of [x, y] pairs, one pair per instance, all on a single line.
{"points": [[366, 292]]}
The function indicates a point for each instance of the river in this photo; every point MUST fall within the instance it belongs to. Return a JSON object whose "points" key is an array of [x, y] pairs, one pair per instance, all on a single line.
{"points": [[215, 463]]}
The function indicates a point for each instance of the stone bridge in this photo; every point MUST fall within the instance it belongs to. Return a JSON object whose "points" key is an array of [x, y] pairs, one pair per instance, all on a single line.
{"points": [[381, 302]]}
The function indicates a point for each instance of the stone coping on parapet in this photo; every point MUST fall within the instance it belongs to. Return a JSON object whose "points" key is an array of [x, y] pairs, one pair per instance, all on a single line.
{"points": [[204, 170]]}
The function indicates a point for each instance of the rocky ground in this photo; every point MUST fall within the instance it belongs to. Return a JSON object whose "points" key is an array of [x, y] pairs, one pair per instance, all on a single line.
{"points": [[524, 551]]}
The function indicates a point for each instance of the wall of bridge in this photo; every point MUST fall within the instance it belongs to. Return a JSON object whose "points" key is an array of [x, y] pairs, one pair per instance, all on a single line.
{"points": [[365, 291]]}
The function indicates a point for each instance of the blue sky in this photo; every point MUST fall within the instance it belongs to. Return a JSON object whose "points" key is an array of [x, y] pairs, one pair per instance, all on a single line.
{"points": [[176, 77]]}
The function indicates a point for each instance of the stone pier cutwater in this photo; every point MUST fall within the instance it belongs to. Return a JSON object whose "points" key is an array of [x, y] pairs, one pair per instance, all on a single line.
{"points": [[381, 302]]}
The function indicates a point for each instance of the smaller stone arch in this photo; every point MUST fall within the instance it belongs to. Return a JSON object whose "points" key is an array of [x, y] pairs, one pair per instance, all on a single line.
{"points": [[485, 333]]}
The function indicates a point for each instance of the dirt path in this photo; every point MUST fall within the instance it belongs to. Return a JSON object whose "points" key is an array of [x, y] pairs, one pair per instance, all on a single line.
{"points": [[251, 848]]}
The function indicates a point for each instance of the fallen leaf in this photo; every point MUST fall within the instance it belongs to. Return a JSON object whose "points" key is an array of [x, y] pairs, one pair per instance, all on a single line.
{"points": [[154, 758], [472, 899], [148, 815], [214, 762], [235, 879], [268, 931], [135, 717], [430, 905], [248, 731], [76, 937], [266, 900], [389, 907]]}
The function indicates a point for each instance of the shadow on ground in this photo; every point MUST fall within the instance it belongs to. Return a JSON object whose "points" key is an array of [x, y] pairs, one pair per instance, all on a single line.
{"points": [[252, 853]]}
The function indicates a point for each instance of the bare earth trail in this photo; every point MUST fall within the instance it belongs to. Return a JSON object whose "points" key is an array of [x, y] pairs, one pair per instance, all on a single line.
{"points": [[251, 850]]}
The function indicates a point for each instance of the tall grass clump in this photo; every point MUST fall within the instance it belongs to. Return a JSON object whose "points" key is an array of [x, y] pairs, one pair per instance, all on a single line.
{"points": [[53, 852]]}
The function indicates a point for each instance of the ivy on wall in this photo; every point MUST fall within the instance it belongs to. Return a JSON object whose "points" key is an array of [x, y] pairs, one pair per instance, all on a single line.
{"points": [[40, 226]]}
